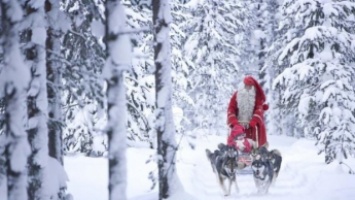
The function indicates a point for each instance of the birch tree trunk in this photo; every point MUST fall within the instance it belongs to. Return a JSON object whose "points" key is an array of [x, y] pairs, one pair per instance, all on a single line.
{"points": [[14, 78], [37, 100], [163, 84], [54, 76], [118, 61]]}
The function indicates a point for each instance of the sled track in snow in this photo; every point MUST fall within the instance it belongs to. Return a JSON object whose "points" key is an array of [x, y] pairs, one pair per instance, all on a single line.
{"points": [[291, 181]]}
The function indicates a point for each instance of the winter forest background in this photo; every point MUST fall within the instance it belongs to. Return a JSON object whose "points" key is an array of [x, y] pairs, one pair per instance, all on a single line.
{"points": [[93, 77]]}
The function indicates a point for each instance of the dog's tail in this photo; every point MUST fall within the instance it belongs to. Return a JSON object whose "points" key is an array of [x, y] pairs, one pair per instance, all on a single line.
{"points": [[277, 163], [276, 152], [210, 157], [278, 159]]}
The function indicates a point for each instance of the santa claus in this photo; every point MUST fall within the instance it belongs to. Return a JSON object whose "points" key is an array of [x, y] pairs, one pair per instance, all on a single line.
{"points": [[246, 114]]}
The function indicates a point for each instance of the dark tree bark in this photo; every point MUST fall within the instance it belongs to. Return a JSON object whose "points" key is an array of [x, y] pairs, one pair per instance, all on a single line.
{"points": [[54, 76]]}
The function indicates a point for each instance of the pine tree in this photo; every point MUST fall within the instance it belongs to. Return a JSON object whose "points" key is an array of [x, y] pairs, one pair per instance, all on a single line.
{"points": [[84, 59], [318, 80], [249, 39], [14, 79], [119, 55], [271, 67], [211, 54], [180, 66], [140, 82]]}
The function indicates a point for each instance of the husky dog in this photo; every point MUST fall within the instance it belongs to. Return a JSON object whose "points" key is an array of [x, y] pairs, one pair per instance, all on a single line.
{"points": [[263, 169], [263, 174], [273, 156], [224, 165]]}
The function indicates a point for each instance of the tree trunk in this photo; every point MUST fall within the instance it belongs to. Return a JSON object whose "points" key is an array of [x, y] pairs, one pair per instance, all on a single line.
{"points": [[118, 61], [164, 119], [37, 100], [14, 78], [54, 76]]}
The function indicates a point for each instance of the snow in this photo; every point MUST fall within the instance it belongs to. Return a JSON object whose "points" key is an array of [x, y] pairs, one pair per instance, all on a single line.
{"points": [[303, 175], [57, 180], [121, 49], [16, 11], [97, 28], [39, 35], [20, 152]]}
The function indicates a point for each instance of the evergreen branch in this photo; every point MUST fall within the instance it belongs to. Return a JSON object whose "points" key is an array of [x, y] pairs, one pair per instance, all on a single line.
{"points": [[140, 114], [137, 82]]}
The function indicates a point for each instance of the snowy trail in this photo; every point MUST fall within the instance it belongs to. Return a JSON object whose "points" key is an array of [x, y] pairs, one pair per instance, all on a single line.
{"points": [[303, 174], [299, 178]]}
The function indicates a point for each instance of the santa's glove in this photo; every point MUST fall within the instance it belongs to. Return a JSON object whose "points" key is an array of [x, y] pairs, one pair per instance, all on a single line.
{"points": [[252, 123], [234, 125], [240, 136]]}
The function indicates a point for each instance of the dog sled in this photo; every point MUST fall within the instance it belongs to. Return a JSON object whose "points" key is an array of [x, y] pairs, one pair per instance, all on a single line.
{"points": [[228, 161], [244, 163], [245, 159]]}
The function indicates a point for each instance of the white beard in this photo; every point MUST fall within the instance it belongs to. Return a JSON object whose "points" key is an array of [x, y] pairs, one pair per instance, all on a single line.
{"points": [[246, 103]]}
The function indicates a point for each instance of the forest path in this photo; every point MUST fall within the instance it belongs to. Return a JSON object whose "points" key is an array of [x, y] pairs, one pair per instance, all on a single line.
{"points": [[303, 175]]}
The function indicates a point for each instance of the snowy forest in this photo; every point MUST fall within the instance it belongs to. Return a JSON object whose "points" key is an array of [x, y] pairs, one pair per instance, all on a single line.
{"points": [[97, 78]]}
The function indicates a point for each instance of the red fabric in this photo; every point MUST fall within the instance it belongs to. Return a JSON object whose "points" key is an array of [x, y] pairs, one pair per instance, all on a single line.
{"points": [[237, 130], [252, 122], [256, 123], [247, 146], [232, 119]]}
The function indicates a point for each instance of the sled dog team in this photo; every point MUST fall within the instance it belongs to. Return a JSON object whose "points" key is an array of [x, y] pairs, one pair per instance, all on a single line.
{"points": [[245, 118], [225, 164]]}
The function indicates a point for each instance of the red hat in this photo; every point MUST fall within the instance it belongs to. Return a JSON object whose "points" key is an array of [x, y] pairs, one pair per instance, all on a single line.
{"points": [[237, 130], [249, 80]]}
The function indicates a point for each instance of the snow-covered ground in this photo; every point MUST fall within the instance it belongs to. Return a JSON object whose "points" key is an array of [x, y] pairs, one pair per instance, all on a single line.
{"points": [[303, 174]]}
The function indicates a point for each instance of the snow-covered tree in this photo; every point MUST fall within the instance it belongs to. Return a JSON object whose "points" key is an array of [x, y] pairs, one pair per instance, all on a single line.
{"points": [[119, 60], [251, 36], [166, 144], [211, 54], [84, 58], [37, 101], [319, 53], [180, 74], [14, 79], [140, 82], [271, 68]]}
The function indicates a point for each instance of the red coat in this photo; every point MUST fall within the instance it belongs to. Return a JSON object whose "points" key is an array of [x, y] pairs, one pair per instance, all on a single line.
{"points": [[256, 124]]}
